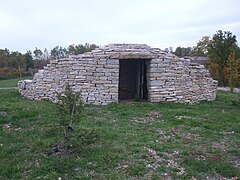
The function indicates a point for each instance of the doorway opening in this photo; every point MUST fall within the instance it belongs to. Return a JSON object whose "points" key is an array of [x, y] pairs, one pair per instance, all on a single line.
{"points": [[133, 79]]}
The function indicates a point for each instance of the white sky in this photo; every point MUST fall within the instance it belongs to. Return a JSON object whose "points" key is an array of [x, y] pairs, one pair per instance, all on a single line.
{"points": [[26, 24]]}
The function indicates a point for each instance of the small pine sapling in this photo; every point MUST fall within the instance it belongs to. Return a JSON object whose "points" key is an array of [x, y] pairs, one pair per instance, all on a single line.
{"points": [[70, 108]]}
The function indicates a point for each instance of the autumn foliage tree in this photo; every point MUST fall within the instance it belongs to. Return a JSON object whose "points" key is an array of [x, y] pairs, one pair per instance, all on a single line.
{"points": [[219, 49], [234, 71], [14, 64]]}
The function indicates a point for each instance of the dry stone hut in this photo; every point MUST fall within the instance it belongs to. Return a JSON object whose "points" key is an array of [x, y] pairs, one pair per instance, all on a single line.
{"points": [[123, 71]]}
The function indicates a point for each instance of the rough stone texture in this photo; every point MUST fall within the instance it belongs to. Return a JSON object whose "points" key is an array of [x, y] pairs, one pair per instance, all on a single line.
{"points": [[96, 75]]}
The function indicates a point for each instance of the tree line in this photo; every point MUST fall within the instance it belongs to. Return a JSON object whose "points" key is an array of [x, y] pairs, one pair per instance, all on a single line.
{"points": [[15, 64]]}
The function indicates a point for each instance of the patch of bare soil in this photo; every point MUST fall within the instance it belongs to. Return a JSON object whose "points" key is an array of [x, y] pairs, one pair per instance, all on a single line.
{"points": [[60, 150], [204, 156], [220, 146], [145, 120], [151, 118], [173, 133], [10, 127], [2, 113], [167, 160]]}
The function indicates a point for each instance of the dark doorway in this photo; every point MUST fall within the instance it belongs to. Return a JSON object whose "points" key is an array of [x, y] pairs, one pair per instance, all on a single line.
{"points": [[133, 79]]}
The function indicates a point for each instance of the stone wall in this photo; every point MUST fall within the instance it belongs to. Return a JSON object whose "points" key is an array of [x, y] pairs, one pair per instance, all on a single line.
{"points": [[96, 75]]}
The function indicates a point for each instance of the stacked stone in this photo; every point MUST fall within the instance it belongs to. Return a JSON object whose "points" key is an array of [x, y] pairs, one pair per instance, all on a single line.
{"points": [[96, 75], [179, 80]]}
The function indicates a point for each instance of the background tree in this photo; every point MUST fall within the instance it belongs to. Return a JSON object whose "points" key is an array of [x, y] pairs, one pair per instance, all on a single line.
{"points": [[234, 70], [4, 57], [182, 51], [89, 47], [38, 54], [13, 64], [202, 47], [219, 49], [28, 61], [169, 50], [79, 49], [58, 52], [41, 58]]}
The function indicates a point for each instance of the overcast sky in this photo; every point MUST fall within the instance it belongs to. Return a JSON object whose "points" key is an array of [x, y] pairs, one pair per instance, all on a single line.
{"points": [[26, 24]]}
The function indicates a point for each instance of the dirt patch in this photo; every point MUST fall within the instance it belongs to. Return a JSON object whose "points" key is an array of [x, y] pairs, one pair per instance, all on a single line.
{"points": [[148, 120], [220, 146], [60, 150], [154, 113], [204, 156], [151, 118], [2, 113], [10, 127], [199, 156], [173, 133], [167, 160]]}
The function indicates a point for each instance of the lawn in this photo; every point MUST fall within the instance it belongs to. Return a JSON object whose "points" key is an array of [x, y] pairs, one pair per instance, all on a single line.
{"points": [[135, 140], [12, 82]]}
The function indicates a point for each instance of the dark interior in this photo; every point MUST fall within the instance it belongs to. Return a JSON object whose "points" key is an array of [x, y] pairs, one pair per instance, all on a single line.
{"points": [[132, 79]]}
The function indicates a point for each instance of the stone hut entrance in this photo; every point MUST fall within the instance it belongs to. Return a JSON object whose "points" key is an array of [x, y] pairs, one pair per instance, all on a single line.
{"points": [[133, 79]]}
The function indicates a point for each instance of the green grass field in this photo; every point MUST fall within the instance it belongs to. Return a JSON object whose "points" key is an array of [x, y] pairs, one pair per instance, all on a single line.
{"points": [[136, 140], [12, 82]]}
